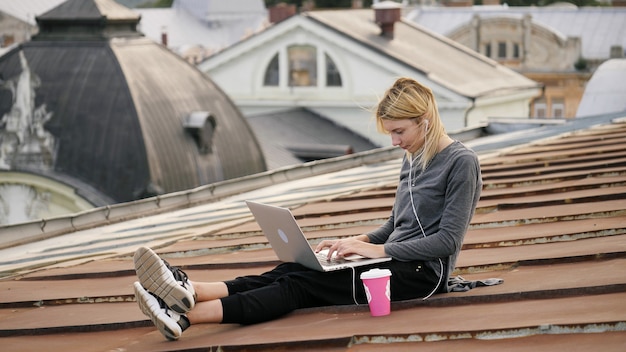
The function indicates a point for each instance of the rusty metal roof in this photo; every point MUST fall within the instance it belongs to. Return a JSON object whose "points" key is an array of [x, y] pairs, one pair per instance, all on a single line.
{"points": [[551, 222]]}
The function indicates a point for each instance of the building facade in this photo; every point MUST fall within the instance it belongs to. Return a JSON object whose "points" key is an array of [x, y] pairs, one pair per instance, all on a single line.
{"points": [[560, 45], [337, 63]]}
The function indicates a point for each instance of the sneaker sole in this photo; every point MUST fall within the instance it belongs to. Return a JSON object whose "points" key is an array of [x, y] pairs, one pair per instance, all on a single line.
{"points": [[155, 277], [150, 307]]}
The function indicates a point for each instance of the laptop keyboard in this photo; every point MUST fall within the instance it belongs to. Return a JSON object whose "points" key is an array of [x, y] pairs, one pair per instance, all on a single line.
{"points": [[323, 259]]}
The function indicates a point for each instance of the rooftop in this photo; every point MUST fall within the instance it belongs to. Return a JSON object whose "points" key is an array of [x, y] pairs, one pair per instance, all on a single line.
{"points": [[298, 135], [551, 222], [456, 67], [111, 111], [599, 27]]}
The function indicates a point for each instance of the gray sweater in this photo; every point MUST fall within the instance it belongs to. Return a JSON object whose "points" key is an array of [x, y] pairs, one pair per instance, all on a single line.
{"points": [[445, 197]]}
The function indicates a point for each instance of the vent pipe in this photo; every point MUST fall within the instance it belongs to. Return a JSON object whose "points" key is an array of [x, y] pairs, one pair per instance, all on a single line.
{"points": [[386, 14]]}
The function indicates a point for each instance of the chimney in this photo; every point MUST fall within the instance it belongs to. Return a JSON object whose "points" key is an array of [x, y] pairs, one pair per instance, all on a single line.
{"points": [[617, 52], [164, 36], [386, 14], [281, 11], [308, 5], [459, 3]]}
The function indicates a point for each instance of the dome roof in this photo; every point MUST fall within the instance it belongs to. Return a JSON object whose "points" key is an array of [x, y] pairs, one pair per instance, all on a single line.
{"points": [[605, 92], [91, 100]]}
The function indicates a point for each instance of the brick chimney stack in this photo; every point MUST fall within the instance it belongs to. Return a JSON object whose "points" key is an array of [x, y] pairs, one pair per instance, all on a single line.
{"points": [[281, 11], [386, 14]]}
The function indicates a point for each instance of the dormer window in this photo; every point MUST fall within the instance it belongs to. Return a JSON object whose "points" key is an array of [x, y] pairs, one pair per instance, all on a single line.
{"points": [[333, 78], [302, 66], [200, 125], [502, 50], [272, 72]]}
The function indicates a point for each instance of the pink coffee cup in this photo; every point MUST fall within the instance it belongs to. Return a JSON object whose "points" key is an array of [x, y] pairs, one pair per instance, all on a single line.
{"points": [[378, 291]]}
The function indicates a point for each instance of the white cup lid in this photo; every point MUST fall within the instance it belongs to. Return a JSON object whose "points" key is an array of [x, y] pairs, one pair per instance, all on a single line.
{"points": [[375, 273]]}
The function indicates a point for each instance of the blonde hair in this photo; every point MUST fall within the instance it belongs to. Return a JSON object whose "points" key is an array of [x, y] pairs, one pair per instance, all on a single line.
{"points": [[407, 99]]}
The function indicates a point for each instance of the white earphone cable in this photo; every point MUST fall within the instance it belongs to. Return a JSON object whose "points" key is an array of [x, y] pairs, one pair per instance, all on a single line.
{"points": [[409, 184], [354, 286]]}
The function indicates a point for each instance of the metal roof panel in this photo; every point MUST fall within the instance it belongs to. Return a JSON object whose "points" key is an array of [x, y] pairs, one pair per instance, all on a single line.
{"points": [[558, 245]]}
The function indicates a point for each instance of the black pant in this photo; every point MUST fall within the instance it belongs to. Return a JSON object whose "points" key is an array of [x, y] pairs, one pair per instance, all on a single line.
{"points": [[290, 286]]}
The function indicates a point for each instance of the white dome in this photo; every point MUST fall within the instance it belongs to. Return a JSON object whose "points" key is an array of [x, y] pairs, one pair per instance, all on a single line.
{"points": [[605, 92]]}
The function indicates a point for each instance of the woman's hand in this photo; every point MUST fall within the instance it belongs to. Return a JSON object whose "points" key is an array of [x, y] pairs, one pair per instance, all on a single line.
{"points": [[354, 245]]}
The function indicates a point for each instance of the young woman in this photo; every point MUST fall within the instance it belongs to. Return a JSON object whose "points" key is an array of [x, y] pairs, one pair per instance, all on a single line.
{"points": [[439, 187]]}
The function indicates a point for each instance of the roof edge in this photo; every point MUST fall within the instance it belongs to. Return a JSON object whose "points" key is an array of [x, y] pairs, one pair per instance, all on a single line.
{"points": [[38, 230]]}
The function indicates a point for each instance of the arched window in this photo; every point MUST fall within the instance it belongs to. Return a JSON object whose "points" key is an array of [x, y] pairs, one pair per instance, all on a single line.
{"points": [[333, 77], [272, 73], [302, 65]]}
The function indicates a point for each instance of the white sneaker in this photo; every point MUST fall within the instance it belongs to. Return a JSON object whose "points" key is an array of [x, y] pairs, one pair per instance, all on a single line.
{"points": [[164, 281], [169, 323]]}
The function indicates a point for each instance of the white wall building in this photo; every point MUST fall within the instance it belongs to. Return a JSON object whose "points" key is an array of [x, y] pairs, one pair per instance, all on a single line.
{"points": [[195, 29], [337, 63]]}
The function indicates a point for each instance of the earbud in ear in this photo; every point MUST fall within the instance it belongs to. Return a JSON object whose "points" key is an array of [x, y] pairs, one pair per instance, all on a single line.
{"points": [[426, 123]]}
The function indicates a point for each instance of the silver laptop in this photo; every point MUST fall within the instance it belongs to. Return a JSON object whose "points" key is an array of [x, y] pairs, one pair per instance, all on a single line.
{"points": [[290, 244]]}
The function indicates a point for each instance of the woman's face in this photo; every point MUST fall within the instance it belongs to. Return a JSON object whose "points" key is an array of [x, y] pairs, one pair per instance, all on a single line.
{"points": [[406, 134]]}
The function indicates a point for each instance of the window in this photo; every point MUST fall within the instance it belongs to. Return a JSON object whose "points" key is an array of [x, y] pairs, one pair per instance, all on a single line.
{"points": [[302, 65], [200, 125], [272, 73], [488, 50], [333, 78], [298, 66], [516, 51], [540, 108], [558, 108], [501, 50]]}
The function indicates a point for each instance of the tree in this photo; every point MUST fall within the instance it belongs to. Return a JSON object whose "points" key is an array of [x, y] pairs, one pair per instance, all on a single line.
{"points": [[156, 3], [322, 4], [579, 3]]}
